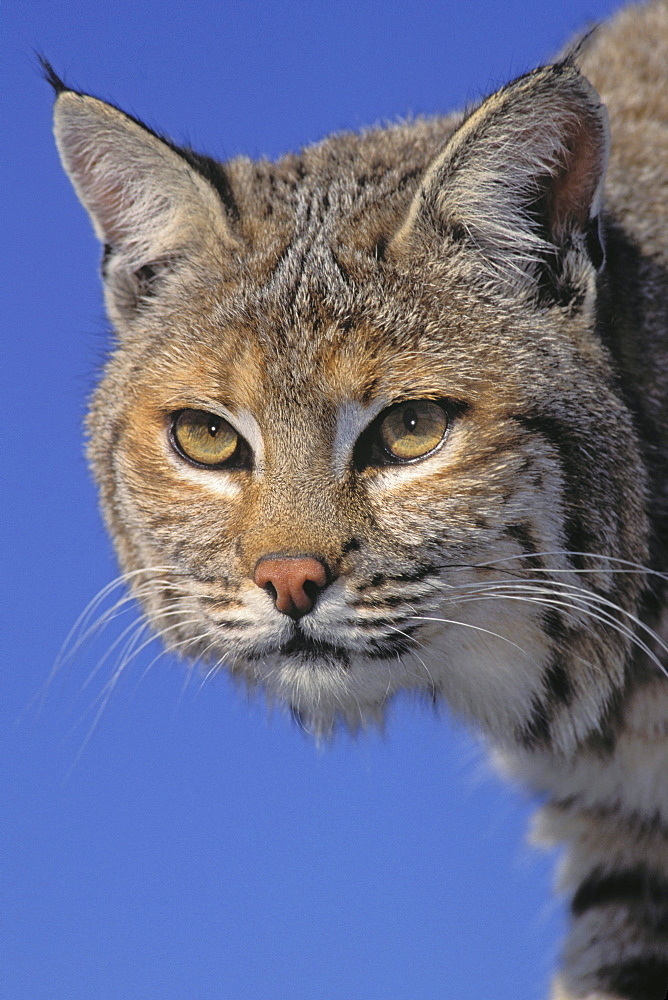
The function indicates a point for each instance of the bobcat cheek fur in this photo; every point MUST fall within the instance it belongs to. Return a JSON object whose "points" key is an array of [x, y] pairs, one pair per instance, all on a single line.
{"points": [[391, 414]]}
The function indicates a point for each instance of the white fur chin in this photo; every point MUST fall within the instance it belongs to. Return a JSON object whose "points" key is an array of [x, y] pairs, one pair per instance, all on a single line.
{"points": [[326, 694], [469, 662]]}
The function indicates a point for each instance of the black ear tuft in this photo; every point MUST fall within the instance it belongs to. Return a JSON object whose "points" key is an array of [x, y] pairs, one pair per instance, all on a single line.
{"points": [[572, 54], [51, 76]]}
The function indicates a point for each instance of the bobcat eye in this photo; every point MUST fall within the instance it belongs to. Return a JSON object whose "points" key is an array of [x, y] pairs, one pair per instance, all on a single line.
{"points": [[413, 429], [204, 438]]}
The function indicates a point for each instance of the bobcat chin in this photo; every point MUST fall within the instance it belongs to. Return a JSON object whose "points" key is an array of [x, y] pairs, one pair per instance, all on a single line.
{"points": [[392, 414]]}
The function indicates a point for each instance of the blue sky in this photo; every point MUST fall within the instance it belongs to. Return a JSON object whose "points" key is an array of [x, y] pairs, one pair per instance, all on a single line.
{"points": [[191, 847]]}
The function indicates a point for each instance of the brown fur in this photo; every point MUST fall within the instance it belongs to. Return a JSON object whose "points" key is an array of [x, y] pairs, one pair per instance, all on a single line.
{"points": [[482, 261]]}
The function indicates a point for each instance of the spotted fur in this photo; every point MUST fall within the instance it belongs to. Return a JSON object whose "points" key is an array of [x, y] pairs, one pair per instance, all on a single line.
{"points": [[485, 261]]}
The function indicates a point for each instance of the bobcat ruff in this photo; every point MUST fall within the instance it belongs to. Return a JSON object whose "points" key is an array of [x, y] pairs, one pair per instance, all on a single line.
{"points": [[391, 414]]}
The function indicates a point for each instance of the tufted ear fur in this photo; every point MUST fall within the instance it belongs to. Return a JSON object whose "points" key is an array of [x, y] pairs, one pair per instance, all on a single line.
{"points": [[149, 206], [520, 183]]}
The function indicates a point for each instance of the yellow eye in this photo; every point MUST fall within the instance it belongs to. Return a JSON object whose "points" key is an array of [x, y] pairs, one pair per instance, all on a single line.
{"points": [[414, 429], [204, 437]]}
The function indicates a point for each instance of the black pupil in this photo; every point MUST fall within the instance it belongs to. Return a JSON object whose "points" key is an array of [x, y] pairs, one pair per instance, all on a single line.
{"points": [[410, 419], [213, 426]]}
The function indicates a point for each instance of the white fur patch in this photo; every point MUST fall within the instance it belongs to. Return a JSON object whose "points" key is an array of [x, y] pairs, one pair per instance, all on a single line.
{"points": [[351, 420]]}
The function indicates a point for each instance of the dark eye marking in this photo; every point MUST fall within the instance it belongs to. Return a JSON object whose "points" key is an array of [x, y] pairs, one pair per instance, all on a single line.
{"points": [[407, 432], [208, 440]]}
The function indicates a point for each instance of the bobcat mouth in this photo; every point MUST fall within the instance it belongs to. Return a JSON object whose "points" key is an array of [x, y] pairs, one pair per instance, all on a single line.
{"points": [[313, 649], [318, 649]]}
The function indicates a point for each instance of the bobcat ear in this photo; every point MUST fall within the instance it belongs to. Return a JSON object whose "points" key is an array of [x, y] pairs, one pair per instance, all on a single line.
{"points": [[148, 205], [520, 183]]}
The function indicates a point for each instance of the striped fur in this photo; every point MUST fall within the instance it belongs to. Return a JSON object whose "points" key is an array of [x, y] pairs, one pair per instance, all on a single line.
{"points": [[484, 262]]}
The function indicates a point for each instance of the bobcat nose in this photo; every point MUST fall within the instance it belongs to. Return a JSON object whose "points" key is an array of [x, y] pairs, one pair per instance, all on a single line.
{"points": [[293, 582]]}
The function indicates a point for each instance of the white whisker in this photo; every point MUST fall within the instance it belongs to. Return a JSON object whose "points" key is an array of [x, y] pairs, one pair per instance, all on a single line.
{"points": [[576, 599], [476, 628], [620, 565]]}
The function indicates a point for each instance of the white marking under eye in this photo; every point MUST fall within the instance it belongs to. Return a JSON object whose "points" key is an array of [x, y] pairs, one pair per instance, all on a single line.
{"points": [[216, 481], [396, 476], [351, 420]]}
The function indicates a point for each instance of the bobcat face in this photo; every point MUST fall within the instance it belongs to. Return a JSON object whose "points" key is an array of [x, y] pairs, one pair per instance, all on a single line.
{"points": [[386, 456]]}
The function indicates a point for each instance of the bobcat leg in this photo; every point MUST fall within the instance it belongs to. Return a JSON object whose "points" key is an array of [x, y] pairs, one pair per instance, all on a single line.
{"points": [[616, 875]]}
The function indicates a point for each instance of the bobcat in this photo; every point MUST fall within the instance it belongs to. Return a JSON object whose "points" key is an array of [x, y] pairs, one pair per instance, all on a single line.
{"points": [[391, 414]]}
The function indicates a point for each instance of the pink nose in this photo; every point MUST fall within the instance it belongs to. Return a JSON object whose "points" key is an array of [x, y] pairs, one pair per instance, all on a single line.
{"points": [[294, 582]]}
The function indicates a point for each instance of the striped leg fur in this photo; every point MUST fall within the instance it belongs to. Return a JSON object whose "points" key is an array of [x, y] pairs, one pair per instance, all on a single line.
{"points": [[616, 875]]}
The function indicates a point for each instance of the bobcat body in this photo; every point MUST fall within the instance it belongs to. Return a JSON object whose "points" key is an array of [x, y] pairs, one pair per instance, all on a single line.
{"points": [[391, 414]]}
